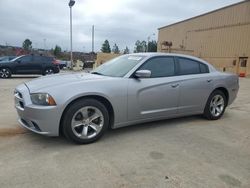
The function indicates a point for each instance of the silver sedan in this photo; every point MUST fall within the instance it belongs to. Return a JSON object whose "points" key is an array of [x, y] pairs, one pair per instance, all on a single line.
{"points": [[127, 90]]}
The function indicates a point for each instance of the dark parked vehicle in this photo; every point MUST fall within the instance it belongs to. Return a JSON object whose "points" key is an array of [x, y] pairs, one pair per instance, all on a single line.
{"points": [[7, 58], [29, 64]]}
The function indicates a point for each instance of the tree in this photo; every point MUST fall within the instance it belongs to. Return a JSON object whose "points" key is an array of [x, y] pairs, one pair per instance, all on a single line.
{"points": [[116, 49], [126, 50], [27, 44], [152, 46], [106, 47], [57, 51], [140, 46]]}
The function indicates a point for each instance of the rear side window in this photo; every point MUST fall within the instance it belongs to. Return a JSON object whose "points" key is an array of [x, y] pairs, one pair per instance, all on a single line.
{"points": [[160, 67], [37, 59], [188, 66], [43, 59], [25, 59], [204, 68], [47, 59]]}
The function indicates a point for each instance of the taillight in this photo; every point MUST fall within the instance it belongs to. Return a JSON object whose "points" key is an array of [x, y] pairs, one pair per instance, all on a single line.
{"points": [[56, 62]]}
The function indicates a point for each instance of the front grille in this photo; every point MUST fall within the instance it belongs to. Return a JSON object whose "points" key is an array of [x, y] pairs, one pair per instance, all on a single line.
{"points": [[19, 102], [18, 94], [25, 123], [36, 126], [31, 124]]}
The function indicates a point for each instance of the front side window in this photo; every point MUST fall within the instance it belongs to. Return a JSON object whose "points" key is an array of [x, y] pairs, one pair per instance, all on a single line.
{"points": [[25, 59], [160, 67]]}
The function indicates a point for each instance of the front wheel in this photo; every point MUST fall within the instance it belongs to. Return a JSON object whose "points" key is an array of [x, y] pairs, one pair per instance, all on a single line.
{"points": [[215, 106], [5, 73], [48, 71], [85, 121]]}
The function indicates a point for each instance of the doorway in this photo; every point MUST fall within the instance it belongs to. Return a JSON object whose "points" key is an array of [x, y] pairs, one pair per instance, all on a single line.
{"points": [[242, 65]]}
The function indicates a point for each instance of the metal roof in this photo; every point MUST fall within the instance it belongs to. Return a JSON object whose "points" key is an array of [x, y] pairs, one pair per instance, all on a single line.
{"points": [[245, 1]]}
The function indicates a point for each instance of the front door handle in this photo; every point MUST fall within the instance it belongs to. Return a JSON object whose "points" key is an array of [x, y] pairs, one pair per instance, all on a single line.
{"points": [[174, 85]]}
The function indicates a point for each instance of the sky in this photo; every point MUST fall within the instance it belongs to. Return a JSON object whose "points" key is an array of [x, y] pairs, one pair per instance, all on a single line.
{"points": [[46, 22]]}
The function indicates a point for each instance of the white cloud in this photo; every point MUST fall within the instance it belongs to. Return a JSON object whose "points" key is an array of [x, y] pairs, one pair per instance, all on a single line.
{"points": [[121, 22]]}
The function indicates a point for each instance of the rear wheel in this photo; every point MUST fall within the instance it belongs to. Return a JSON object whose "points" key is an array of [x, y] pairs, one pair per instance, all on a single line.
{"points": [[5, 73], [48, 71], [85, 121], [215, 106]]}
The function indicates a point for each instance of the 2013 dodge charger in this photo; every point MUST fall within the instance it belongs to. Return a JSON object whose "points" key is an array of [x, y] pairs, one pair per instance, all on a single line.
{"points": [[127, 90]]}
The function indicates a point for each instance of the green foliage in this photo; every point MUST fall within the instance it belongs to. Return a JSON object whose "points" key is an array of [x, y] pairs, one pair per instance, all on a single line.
{"points": [[27, 44], [140, 46], [106, 47], [126, 50], [116, 49], [152, 46], [57, 51]]}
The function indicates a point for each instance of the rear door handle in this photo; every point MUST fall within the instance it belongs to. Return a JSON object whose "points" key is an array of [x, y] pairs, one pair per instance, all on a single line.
{"points": [[174, 85], [209, 80]]}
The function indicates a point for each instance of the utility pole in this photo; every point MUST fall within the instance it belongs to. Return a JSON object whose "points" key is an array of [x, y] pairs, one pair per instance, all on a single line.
{"points": [[93, 37], [71, 4]]}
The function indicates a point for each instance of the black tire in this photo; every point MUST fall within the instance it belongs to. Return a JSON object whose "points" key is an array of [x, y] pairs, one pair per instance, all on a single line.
{"points": [[5, 73], [71, 113], [210, 105], [48, 71]]}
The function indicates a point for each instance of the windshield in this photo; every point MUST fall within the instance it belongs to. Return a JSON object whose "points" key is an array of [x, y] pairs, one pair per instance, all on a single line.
{"points": [[17, 58], [3, 58], [119, 66]]}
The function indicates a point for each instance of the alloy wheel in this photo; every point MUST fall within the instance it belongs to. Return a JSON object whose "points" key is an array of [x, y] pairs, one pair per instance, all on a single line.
{"points": [[217, 105], [49, 71], [4, 73], [87, 122]]}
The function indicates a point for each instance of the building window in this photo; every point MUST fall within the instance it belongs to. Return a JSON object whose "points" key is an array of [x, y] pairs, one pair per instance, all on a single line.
{"points": [[234, 62], [243, 62]]}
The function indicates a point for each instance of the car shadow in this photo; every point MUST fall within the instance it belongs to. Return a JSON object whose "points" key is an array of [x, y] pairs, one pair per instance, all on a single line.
{"points": [[112, 134], [168, 123]]}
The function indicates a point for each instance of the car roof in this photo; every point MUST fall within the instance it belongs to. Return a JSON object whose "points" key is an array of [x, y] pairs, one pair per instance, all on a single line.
{"points": [[155, 54]]}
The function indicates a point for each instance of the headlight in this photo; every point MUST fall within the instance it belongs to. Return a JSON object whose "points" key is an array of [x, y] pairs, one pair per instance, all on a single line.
{"points": [[43, 99]]}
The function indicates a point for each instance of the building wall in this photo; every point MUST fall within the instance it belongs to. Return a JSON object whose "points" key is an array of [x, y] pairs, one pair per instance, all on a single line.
{"points": [[221, 37], [103, 57]]}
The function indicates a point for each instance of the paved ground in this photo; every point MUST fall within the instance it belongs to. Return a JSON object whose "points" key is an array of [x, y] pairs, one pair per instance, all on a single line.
{"points": [[186, 152]]}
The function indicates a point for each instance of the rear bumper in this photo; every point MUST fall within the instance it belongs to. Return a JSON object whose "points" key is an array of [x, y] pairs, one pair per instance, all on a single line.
{"points": [[233, 94], [42, 120]]}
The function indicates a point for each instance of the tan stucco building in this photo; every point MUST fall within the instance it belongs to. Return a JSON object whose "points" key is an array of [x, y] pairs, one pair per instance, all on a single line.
{"points": [[222, 37]]}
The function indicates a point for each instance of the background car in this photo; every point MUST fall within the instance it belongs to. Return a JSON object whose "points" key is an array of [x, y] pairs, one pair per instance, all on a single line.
{"points": [[127, 90], [29, 64], [62, 64]]}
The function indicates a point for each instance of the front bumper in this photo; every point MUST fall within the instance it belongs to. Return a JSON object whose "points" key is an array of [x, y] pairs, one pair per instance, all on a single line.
{"points": [[44, 120]]}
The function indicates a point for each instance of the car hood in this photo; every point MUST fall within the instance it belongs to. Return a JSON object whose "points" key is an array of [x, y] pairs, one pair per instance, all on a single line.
{"points": [[4, 61], [60, 79]]}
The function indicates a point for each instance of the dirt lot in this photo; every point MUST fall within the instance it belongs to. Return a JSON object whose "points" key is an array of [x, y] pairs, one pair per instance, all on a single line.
{"points": [[185, 152]]}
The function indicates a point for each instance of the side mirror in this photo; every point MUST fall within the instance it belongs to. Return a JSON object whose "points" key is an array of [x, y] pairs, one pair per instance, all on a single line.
{"points": [[18, 61], [143, 74]]}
